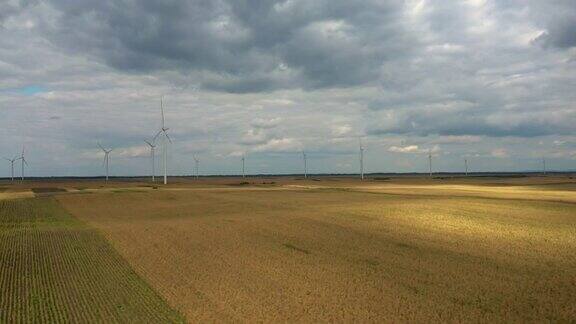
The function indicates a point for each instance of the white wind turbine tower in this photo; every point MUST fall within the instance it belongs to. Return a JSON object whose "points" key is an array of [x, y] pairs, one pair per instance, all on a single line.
{"points": [[166, 139], [196, 166], [153, 157], [243, 166], [305, 165], [23, 160], [12, 161], [106, 159], [430, 161], [466, 166], [361, 160], [544, 165]]}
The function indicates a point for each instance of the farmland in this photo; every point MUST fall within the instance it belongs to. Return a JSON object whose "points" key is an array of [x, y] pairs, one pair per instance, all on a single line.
{"points": [[55, 269], [282, 249]]}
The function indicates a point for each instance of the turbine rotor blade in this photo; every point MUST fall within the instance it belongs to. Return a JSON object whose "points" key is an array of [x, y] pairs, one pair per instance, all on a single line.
{"points": [[162, 110], [168, 137], [157, 134]]}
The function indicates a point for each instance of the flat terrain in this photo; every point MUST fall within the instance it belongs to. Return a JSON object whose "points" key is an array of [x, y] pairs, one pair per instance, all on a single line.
{"points": [[55, 269], [335, 249]]}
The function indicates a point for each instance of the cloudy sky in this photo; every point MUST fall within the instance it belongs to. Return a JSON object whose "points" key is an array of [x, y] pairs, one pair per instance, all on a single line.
{"points": [[493, 81]]}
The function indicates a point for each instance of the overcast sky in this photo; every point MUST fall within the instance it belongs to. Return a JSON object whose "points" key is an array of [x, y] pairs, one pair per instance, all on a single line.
{"points": [[492, 81]]}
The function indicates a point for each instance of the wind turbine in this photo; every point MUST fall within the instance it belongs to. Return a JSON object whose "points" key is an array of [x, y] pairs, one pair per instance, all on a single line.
{"points": [[106, 159], [166, 139], [361, 160], [153, 156], [12, 165], [23, 160], [243, 166], [305, 166], [196, 164], [466, 166], [544, 165], [430, 162]]}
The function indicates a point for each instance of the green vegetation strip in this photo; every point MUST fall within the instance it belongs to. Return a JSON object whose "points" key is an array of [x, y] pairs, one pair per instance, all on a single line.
{"points": [[56, 269]]}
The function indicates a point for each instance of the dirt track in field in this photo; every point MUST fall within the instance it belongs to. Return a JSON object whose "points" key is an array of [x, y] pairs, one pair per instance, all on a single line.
{"points": [[339, 254]]}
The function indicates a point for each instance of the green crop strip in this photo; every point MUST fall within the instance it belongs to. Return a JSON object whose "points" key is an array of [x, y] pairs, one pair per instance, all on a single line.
{"points": [[55, 269]]}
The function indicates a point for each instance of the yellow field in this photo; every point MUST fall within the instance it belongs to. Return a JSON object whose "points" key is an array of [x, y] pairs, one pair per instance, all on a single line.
{"points": [[336, 250]]}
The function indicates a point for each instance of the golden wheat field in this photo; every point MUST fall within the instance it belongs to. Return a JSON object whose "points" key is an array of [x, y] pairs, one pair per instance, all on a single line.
{"points": [[288, 250]]}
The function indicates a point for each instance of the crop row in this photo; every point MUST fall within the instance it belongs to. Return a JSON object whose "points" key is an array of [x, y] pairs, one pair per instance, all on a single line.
{"points": [[66, 273]]}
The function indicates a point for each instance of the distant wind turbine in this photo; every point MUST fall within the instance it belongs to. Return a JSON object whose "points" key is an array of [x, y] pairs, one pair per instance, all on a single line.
{"points": [[544, 165], [243, 166], [106, 159], [305, 165], [430, 161], [153, 157], [166, 139], [466, 166], [196, 166], [23, 160], [12, 161], [361, 160]]}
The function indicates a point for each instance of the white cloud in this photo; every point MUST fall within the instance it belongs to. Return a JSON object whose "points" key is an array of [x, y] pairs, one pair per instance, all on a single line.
{"points": [[405, 149], [279, 145], [237, 154], [254, 137], [500, 153], [341, 130], [266, 123], [133, 152], [414, 149]]}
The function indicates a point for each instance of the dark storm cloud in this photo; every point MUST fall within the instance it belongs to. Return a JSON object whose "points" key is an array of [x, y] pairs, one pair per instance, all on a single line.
{"points": [[558, 17], [561, 34], [239, 46], [467, 122]]}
